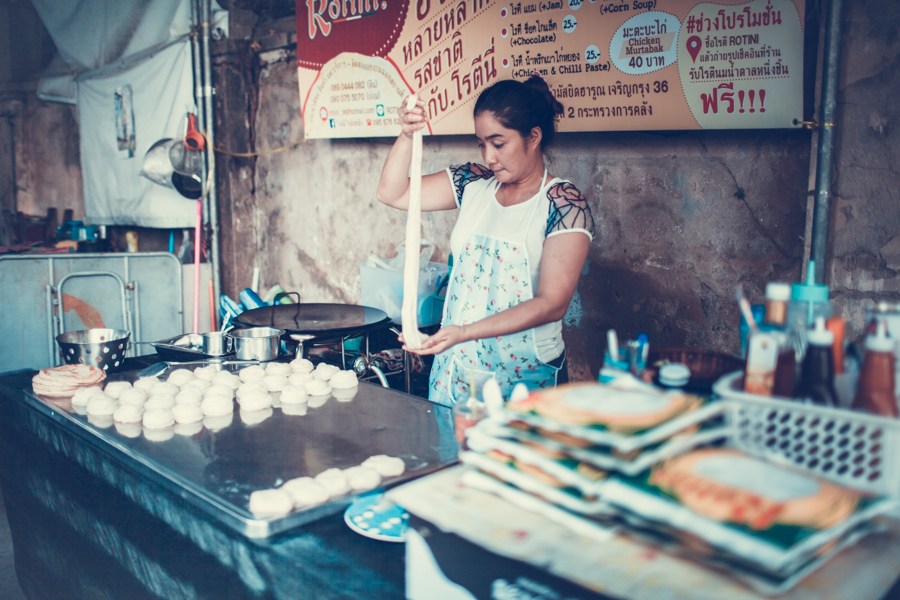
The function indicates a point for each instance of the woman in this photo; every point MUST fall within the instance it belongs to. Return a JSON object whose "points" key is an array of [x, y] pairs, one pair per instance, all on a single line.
{"points": [[518, 246]]}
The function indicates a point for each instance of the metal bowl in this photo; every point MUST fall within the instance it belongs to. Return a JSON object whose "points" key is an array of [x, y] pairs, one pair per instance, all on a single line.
{"points": [[101, 348], [256, 343]]}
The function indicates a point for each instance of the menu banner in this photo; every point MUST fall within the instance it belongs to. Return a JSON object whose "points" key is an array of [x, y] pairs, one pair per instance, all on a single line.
{"points": [[616, 65]]}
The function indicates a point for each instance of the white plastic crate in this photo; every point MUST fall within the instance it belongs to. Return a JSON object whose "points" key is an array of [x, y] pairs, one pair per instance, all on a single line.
{"points": [[852, 448]]}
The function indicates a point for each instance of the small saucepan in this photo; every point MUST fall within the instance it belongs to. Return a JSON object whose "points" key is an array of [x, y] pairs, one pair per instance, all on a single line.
{"points": [[256, 343]]}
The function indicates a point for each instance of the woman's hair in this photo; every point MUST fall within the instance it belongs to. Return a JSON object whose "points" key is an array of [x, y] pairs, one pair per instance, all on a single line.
{"points": [[522, 106]]}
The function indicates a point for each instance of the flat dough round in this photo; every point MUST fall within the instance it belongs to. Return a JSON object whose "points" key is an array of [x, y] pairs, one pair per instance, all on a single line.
{"points": [[128, 413], [158, 418], [387, 466], [333, 480], [293, 394], [217, 406], [187, 413], [343, 380], [270, 503], [302, 365], [306, 492], [252, 372]]}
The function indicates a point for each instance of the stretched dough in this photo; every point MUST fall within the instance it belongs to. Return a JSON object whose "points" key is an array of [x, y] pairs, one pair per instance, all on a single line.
{"points": [[409, 310]]}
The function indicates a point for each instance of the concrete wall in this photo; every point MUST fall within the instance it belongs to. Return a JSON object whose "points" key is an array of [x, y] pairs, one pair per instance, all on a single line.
{"points": [[681, 217]]}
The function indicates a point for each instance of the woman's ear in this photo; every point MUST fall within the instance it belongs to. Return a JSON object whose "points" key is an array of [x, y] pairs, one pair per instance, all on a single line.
{"points": [[536, 136]]}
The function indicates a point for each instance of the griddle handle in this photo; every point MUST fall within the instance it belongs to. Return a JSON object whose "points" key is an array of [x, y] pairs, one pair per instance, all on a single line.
{"points": [[275, 302]]}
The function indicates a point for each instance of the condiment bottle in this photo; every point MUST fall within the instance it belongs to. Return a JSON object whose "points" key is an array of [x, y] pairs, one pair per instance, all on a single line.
{"points": [[777, 296], [817, 370], [759, 368], [785, 366], [809, 300], [837, 326], [875, 391]]}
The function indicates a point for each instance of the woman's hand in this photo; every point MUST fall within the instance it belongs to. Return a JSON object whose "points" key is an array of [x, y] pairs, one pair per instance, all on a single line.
{"points": [[412, 120], [446, 337]]}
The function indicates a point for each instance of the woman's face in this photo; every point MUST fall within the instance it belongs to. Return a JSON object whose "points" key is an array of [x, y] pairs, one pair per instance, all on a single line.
{"points": [[509, 155]]}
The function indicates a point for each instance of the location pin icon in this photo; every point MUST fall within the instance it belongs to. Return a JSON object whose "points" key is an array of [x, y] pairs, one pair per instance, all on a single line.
{"points": [[693, 46]]}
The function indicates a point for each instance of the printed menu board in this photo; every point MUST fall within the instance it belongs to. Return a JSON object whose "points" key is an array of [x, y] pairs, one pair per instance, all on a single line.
{"points": [[616, 65]]}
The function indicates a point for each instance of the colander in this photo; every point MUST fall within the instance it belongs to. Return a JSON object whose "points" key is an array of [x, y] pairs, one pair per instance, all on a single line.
{"points": [[101, 348]]}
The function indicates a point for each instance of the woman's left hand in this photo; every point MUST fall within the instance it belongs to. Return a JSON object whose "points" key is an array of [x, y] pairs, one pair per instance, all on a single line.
{"points": [[446, 337]]}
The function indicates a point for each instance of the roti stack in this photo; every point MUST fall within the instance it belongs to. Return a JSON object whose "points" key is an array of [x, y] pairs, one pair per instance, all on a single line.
{"points": [[63, 381]]}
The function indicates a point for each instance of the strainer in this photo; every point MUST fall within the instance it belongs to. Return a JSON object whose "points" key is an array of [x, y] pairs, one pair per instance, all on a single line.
{"points": [[101, 348]]}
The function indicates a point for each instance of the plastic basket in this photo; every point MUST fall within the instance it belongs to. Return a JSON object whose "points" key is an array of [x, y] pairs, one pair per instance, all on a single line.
{"points": [[852, 448]]}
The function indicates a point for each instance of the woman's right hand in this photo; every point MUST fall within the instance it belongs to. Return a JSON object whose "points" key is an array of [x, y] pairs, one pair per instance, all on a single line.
{"points": [[412, 120]]}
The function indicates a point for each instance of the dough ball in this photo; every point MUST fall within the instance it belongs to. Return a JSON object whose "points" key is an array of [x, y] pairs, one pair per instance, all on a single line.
{"points": [[317, 387], [343, 380], [334, 481], [164, 401], [217, 406], [128, 413], [158, 418], [255, 400], [227, 378], [187, 413], [114, 388], [299, 378], [217, 422], [278, 368], [387, 466], [134, 395], [219, 389], [255, 417], [302, 365], [101, 405], [252, 373], [362, 478], [295, 410], [313, 401], [206, 372], [188, 429], [270, 503], [345, 395], [83, 395], [180, 377], [100, 421], [324, 371], [164, 387], [145, 383], [189, 395], [250, 387], [162, 434], [293, 394], [129, 430], [275, 383], [306, 492], [200, 384]]}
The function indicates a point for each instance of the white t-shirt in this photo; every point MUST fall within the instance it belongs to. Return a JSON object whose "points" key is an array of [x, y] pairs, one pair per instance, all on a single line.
{"points": [[559, 208]]}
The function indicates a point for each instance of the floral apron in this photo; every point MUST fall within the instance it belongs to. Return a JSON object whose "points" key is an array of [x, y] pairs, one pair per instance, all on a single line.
{"points": [[489, 276]]}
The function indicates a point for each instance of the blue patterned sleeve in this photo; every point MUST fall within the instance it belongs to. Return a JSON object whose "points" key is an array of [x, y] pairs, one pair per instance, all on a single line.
{"points": [[569, 211], [461, 175]]}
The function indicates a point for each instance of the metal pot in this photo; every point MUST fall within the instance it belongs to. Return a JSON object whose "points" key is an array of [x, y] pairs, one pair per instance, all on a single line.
{"points": [[215, 343], [256, 343]]}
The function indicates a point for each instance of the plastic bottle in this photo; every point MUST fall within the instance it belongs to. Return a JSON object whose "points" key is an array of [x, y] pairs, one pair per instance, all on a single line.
{"points": [[875, 391], [759, 368], [809, 300], [778, 295], [817, 370], [785, 366]]}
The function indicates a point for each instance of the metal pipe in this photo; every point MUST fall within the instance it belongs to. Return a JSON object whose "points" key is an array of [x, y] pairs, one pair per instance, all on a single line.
{"points": [[824, 157], [209, 122]]}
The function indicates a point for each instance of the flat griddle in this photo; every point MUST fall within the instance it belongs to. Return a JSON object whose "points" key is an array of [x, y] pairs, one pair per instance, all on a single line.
{"points": [[316, 319]]}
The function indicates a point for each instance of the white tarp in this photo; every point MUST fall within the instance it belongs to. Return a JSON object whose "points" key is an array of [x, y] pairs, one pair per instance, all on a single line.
{"points": [[134, 85]]}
